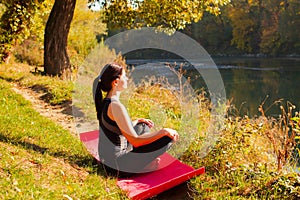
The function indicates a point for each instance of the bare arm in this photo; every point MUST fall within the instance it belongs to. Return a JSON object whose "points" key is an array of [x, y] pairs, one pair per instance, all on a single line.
{"points": [[142, 120], [119, 114]]}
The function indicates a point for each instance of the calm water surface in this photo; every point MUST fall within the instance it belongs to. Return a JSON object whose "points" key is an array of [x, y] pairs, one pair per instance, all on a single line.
{"points": [[250, 81]]}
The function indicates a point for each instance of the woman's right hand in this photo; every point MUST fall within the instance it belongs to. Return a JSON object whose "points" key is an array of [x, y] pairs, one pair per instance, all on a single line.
{"points": [[173, 134]]}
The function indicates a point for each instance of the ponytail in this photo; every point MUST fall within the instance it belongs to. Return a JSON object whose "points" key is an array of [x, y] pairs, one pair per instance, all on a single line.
{"points": [[98, 98], [103, 82]]}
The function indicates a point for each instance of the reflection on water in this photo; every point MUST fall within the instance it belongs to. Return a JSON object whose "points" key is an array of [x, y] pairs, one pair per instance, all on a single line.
{"points": [[248, 81], [251, 81]]}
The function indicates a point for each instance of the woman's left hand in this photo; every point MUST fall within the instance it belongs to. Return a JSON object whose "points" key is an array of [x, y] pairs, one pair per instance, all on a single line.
{"points": [[149, 122]]}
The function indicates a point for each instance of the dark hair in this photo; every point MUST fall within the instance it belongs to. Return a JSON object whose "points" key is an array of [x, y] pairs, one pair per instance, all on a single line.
{"points": [[109, 73]]}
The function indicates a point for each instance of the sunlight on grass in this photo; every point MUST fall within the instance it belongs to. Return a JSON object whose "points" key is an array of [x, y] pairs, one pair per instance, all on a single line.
{"points": [[55, 90], [41, 160]]}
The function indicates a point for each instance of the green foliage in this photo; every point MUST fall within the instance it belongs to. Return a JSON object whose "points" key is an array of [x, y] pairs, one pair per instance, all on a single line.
{"points": [[242, 165], [244, 19], [81, 40], [268, 27], [254, 27], [288, 27], [86, 26], [30, 50], [213, 32], [15, 25], [283, 134], [55, 91], [172, 15]]}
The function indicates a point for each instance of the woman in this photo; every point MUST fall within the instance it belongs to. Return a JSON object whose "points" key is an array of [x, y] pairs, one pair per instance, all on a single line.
{"points": [[125, 147]]}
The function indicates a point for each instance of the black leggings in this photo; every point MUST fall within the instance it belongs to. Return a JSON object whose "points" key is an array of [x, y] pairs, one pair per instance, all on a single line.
{"points": [[134, 161], [142, 128]]}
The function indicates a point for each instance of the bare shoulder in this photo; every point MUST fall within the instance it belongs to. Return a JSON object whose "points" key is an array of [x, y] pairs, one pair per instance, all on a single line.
{"points": [[117, 105]]}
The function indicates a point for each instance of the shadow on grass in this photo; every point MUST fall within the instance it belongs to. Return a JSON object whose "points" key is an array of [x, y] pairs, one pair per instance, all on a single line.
{"points": [[9, 79], [76, 160], [91, 165], [66, 105]]}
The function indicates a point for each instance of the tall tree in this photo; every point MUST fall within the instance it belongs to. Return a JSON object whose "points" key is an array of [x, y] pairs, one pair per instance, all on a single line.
{"points": [[56, 59]]}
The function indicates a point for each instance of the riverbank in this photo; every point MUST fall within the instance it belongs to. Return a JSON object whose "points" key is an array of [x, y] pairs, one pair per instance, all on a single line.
{"points": [[41, 159]]}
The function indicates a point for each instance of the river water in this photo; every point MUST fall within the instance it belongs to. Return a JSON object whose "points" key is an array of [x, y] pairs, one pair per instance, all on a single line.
{"points": [[248, 81], [251, 81]]}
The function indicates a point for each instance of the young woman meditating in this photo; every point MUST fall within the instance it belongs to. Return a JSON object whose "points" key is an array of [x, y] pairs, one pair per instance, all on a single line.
{"points": [[125, 147]]}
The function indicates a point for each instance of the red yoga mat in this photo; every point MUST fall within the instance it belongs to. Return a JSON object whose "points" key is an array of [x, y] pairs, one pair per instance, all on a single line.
{"points": [[171, 172]]}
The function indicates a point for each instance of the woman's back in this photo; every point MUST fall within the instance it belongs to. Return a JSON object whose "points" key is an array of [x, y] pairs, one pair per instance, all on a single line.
{"points": [[112, 143]]}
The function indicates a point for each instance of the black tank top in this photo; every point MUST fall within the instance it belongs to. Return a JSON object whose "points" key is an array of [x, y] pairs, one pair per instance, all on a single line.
{"points": [[112, 143]]}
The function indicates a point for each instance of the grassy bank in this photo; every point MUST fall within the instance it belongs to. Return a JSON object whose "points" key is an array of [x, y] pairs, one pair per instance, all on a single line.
{"points": [[41, 160], [55, 90]]}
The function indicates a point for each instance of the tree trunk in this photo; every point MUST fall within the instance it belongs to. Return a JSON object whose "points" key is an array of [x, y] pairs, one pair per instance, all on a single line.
{"points": [[56, 59]]}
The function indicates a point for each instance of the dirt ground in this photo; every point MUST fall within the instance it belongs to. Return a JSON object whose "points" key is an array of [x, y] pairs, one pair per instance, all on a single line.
{"points": [[61, 114]]}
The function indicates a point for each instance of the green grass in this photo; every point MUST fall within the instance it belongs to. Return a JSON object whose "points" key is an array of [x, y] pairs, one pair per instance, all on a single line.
{"points": [[41, 160], [55, 90]]}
